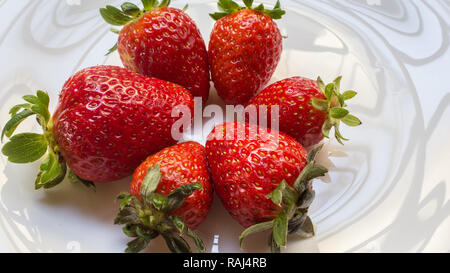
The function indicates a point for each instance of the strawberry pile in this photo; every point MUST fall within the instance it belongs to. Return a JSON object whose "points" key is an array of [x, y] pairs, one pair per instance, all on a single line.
{"points": [[112, 122]]}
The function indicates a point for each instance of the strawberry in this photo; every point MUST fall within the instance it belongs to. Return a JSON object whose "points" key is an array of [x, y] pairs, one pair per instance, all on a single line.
{"points": [[161, 42], [107, 122], [171, 194], [263, 178], [308, 109], [244, 49]]}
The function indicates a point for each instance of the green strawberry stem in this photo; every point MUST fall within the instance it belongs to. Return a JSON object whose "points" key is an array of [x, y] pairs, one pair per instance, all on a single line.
{"points": [[295, 202], [150, 217], [29, 147], [334, 105], [128, 12], [228, 7]]}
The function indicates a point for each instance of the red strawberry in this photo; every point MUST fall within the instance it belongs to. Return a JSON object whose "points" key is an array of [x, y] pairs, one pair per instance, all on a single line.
{"points": [[161, 42], [244, 49], [107, 122], [181, 164], [308, 108], [263, 178], [171, 194]]}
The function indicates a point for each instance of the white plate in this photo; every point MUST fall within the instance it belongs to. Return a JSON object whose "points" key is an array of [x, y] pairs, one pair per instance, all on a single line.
{"points": [[388, 188]]}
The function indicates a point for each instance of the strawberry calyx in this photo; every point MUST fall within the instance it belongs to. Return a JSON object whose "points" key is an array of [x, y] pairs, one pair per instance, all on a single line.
{"points": [[29, 147], [129, 12], [228, 7], [334, 105], [295, 202], [150, 216]]}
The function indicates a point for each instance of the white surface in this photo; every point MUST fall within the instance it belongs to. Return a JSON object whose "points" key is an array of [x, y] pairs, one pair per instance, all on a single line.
{"points": [[389, 188]]}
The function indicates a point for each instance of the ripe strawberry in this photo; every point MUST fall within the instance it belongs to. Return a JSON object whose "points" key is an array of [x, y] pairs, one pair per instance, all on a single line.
{"points": [[161, 42], [263, 178], [171, 194], [244, 49], [107, 122], [308, 109]]}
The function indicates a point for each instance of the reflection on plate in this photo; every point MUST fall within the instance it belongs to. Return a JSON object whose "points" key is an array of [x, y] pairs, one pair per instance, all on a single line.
{"points": [[373, 199]]}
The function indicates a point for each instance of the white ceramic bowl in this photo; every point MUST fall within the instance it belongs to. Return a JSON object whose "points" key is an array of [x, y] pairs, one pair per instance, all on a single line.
{"points": [[388, 189]]}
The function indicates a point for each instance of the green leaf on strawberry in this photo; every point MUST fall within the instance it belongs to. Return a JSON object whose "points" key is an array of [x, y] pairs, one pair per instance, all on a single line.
{"points": [[112, 49], [29, 147], [228, 7], [347, 95], [306, 229], [151, 181], [338, 113], [351, 120], [15, 120], [295, 202], [319, 104], [130, 9], [76, 179], [114, 16], [184, 230], [255, 229], [335, 107], [25, 148], [158, 201], [277, 195], [152, 217], [248, 3], [127, 13], [280, 229], [176, 197]]}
